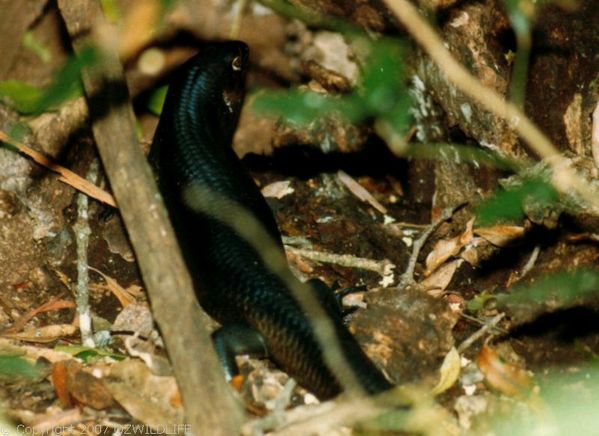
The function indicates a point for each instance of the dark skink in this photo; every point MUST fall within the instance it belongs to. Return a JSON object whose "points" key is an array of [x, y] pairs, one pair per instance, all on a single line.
{"points": [[192, 145]]}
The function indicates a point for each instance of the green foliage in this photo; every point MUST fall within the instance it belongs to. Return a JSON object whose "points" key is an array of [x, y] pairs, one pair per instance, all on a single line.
{"points": [[156, 100], [480, 302], [521, 20], [30, 100], [462, 153], [21, 96], [167, 4], [111, 10], [508, 205], [15, 368], [87, 353], [562, 289], [36, 46], [381, 94]]}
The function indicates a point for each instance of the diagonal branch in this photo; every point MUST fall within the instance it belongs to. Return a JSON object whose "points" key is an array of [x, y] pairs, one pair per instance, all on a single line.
{"points": [[565, 179], [209, 404]]}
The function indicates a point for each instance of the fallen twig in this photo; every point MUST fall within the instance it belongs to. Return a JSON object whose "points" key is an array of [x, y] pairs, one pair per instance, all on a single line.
{"points": [[46, 307], [82, 232], [382, 267], [480, 332], [531, 262], [65, 175], [595, 136], [407, 278]]}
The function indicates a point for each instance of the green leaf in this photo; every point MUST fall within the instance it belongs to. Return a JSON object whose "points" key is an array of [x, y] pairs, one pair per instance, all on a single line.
{"points": [[479, 302], [19, 95], [156, 100], [463, 153], [16, 367], [509, 205], [562, 289], [381, 94], [296, 106], [67, 84], [382, 80], [28, 99], [88, 353]]}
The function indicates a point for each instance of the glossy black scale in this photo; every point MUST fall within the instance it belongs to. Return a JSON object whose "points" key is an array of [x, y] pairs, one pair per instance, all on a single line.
{"points": [[193, 145]]}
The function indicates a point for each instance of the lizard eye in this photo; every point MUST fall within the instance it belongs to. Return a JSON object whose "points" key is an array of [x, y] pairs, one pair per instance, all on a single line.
{"points": [[236, 64]]}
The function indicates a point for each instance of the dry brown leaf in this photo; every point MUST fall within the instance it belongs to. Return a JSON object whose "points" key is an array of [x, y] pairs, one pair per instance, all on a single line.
{"points": [[500, 235], [124, 296], [449, 371], [360, 192], [131, 383], [34, 352], [468, 234], [277, 190], [59, 381], [447, 248], [436, 283], [46, 307], [44, 334], [471, 252], [73, 384], [505, 377], [442, 251]]}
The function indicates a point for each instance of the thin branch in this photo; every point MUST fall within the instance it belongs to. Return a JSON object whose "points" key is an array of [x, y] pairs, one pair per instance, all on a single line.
{"points": [[480, 332], [210, 406], [407, 278], [82, 232], [595, 136], [531, 262], [381, 267]]}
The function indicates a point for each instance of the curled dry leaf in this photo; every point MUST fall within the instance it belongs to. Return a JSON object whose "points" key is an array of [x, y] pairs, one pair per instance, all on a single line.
{"points": [[443, 250], [500, 235], [447, 248], [59, 381], [125, 296], [74, 385], [136, 318], [46, 307], [449, 371], [471, 252], [507, 378], [278, 190], [436, 284], [132, 384]]}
